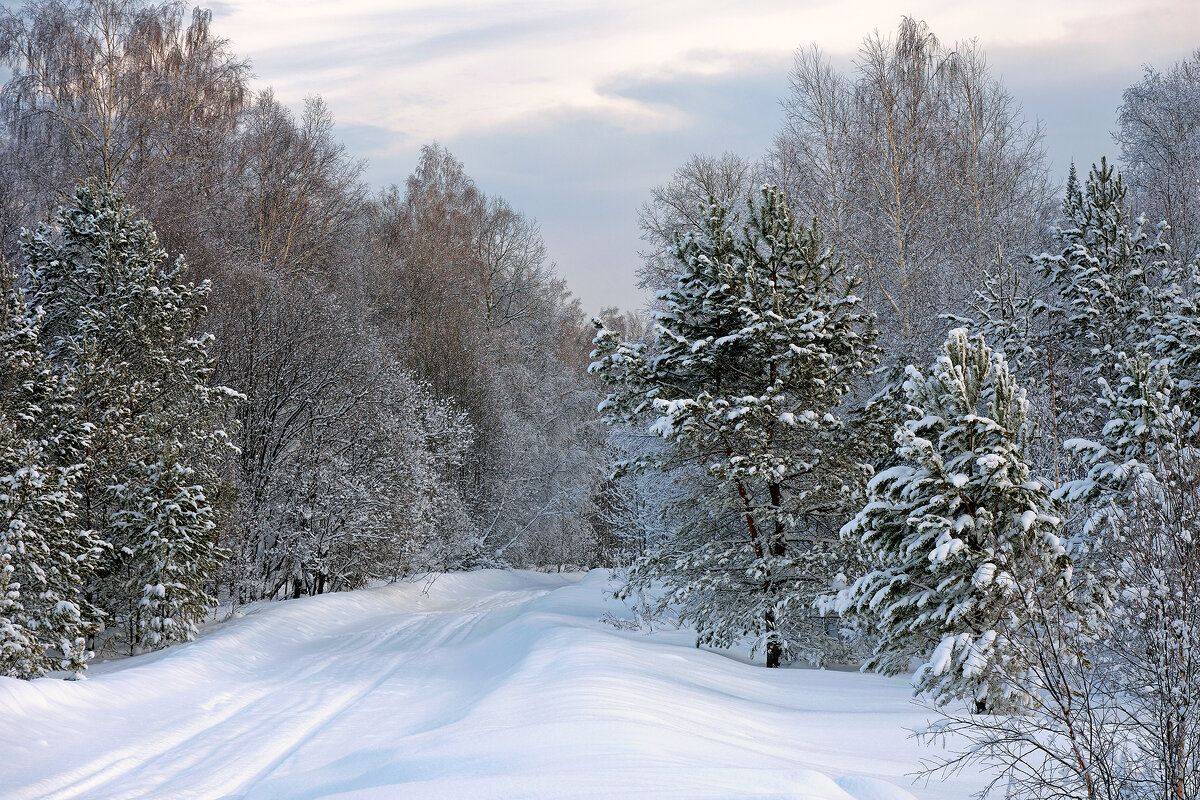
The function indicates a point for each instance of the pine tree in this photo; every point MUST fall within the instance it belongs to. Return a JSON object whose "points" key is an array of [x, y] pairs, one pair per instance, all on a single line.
{"points": [[119, 318], [755, 349], [967, 539], [45, 556], [169, 527], [1099, 296], [1145, 426], [1143, 494], [1102, 275]]}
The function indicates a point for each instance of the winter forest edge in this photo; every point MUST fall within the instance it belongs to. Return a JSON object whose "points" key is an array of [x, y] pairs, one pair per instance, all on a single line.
{"points": [[903, 399]]}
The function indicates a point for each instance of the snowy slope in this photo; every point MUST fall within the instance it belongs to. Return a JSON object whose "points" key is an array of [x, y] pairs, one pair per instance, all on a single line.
{"points": [[492, 685]]}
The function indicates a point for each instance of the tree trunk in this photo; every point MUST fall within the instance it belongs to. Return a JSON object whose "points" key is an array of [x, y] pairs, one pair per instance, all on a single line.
{"points": [[776, 547], [774, 647]]}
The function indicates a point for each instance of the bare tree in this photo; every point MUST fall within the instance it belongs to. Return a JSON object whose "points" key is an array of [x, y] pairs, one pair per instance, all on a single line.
{"points": [[997, 170], [812, 154], [1158, 131], [294, 197], [924, 166], [346, 463], [682, 206], [138, 96], [462, 285]]}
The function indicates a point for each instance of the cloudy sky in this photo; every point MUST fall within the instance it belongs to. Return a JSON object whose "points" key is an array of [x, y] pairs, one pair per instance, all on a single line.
{"points": [[573, 110]]}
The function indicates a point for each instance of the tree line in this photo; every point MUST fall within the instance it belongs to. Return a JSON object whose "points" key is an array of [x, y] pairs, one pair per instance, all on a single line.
{"points": [[335, 385], [908, 403]]}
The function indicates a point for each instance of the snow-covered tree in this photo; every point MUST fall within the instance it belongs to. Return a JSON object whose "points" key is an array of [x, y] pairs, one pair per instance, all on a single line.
{"points": [[1100, 280], [1099, 295], [140, 94], [1145, 425], [633, 505], [681, 206], [167, 527], [120, 320], [45, 554], [1152, 653], [347, 464], [1113, 678], [1158, 131], [1146, 499], [966, 538], [463, 290], [754, 350], [921, 167], [1174, 342]]}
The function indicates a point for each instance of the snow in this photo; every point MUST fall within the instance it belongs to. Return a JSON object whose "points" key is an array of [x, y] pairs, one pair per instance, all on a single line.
{"points": [[984, 575], [487, 684], [940, 661]]}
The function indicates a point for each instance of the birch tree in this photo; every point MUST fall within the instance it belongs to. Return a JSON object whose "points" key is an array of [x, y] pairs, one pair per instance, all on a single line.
{"points": [[922, 167]]}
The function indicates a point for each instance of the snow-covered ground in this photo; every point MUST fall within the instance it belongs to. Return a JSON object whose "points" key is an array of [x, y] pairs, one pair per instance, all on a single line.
{"points": [[490, 685]]}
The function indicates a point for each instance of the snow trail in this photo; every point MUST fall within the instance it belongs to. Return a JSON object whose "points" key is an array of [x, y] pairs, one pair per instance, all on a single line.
{"points": [[493, 685]]}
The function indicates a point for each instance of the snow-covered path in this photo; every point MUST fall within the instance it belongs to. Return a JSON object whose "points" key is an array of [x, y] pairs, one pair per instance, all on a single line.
{"points": [[491, 685]]}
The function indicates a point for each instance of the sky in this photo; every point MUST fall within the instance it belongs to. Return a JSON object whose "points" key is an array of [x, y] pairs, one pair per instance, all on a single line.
{"points": [[573, 111]]}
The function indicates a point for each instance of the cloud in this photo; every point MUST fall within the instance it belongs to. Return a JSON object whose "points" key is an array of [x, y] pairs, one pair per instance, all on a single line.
{"points": [[428, 71], [573, 110], [584, 177]]}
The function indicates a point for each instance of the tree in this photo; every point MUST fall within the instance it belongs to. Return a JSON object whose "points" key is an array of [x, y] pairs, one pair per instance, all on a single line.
{"points": [[755, 348], [632, 506], [680, 207], [460, 284], [1112, 677], [921, 167], [167, 528], [966, 538], [1151, 652], [294, 197], [1142, 491], [1158, 131], [120, 320], [1105, 291], [1100, 280], [347, 465], [135, 94], [1174, 336], [46, 556]]}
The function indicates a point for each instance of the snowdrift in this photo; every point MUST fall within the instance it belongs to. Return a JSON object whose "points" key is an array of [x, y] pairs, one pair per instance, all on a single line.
{"points": [[488, 685]]}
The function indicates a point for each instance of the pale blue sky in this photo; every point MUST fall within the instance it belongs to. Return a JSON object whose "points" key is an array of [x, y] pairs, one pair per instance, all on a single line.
{"points": [[573, 110]]}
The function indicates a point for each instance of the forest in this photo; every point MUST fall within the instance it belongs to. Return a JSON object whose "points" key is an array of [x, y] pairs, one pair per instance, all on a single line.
{"points": [[903, 397]]}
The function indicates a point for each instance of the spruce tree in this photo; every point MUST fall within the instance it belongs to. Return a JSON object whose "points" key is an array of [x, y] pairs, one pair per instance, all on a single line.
{"points": [[967, 539], [120, 318], [45, 555], [755, 349]]}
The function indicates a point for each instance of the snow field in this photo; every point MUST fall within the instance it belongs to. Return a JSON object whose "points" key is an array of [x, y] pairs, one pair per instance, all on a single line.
{"points": [[490, 685]]}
